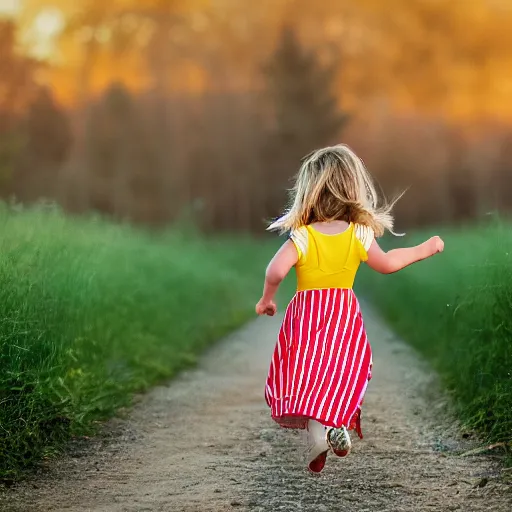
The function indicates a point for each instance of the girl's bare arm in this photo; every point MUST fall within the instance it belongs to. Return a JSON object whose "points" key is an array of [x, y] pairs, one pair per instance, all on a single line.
{"points": [[278, 268], [397, 259]]}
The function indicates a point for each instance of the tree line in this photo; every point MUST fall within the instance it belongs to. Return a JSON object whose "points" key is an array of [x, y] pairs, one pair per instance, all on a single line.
{"points": [[226, 157]]}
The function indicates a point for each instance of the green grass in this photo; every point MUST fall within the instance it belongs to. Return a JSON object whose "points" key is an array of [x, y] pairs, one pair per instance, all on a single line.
{"points": [[93, 312], [456, 309]]}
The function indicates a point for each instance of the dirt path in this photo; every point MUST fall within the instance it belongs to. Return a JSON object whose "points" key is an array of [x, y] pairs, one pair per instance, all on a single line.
{"points": [[206, 443]]}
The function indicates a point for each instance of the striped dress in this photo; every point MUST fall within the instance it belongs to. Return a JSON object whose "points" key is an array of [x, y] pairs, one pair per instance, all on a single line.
{"points": [[322, 361]]}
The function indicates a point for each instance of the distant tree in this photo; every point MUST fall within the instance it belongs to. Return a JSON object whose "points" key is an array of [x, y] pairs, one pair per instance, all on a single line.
{"points": [[17, 84], [301, 90], [502, 176], [17, 88], [461, 188], [123, 179], [461, 194], [124, 21], [304, 109], [47, 141], [48, 130]]}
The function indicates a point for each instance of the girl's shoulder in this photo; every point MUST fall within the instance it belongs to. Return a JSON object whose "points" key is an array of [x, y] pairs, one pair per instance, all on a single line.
{"points": [[365, 235], [299, 237]]}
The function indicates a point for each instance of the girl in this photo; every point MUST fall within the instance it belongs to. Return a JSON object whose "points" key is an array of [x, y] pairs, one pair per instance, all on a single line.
{"points": [[322, 361]]}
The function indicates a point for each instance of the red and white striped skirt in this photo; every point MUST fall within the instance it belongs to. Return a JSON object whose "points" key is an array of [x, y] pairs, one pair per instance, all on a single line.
{"points": [[322, 361]]}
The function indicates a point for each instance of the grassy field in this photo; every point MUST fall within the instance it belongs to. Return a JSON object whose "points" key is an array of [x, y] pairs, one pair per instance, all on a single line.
{"points": [[92, 312], [457, 310]]}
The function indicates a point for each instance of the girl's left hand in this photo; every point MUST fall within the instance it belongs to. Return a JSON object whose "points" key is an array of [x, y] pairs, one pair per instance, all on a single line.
{"points": [[266, 308]]}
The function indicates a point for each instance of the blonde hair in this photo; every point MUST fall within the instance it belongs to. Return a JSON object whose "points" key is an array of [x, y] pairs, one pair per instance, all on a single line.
{"points": [[333, 184]]}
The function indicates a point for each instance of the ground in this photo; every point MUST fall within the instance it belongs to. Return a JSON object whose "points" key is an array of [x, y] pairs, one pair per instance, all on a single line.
{"points": [[206, 443]]}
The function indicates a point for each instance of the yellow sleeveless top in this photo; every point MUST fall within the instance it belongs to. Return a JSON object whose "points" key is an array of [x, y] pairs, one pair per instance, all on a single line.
{"points": [[330, 261]]}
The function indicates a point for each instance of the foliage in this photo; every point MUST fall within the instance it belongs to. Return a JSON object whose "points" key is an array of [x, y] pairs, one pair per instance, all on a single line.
{"points": [[93, 312], [17, 89], [455, 309]]}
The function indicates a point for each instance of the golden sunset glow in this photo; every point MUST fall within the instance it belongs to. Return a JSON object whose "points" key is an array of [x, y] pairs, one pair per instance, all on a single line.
{"points": [[10, 7], [409, 59]]}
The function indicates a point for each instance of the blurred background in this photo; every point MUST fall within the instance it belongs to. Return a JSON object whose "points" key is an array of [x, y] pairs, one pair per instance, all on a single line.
{"points": [[149, 110]]}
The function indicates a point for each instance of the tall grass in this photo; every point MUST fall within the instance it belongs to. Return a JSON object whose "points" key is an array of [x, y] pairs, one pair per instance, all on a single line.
{"points": [[91, 312], [457, 310]]}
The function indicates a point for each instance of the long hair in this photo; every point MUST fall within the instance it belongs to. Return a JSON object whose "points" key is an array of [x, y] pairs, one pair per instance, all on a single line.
{"points": [[333, 184]]}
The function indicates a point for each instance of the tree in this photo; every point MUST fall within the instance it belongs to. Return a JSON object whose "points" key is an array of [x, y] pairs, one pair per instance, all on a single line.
{"points": [[123, 179], [17, 88], [304, 110], [118, 26], [17, 84], [47, 144]]}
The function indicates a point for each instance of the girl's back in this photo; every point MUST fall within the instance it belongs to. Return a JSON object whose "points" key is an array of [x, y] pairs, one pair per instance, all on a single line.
{"points": [[329, 253]]}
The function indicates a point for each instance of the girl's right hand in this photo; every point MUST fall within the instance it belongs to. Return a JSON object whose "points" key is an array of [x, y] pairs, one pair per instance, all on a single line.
{"points": [[435, 245], [266, 308]]}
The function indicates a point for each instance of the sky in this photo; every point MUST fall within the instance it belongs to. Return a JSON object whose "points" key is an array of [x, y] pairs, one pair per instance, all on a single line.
{"points": [[42, 29], [10, 6]]}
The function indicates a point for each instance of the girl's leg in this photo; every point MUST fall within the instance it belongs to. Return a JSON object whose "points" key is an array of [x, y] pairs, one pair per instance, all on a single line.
{"points": [[318, 446]]}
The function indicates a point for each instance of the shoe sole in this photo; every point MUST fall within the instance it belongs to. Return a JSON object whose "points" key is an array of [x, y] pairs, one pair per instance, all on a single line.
{"points": [[343, 452]]}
